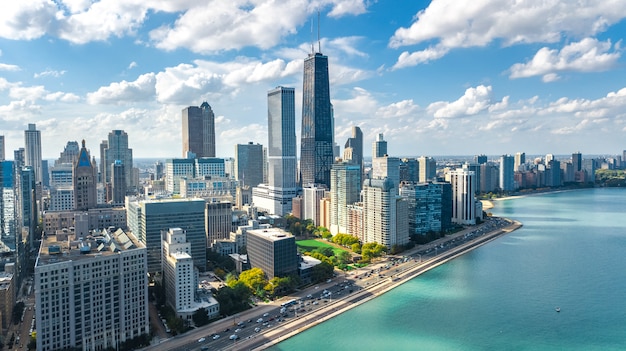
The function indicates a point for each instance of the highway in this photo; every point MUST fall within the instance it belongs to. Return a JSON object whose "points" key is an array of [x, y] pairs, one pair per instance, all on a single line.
{"points": [[346, 291]]}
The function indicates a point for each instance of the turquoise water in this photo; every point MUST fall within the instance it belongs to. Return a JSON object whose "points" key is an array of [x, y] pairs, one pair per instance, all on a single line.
{"points": [[571, 253]]}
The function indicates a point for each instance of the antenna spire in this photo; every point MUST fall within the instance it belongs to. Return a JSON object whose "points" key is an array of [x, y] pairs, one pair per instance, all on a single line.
{"points": [[312, 42], [319, 42]]}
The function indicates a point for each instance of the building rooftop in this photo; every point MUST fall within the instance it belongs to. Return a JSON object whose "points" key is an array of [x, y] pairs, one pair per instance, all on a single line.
{"points": [[273, 234], [66, 247]]}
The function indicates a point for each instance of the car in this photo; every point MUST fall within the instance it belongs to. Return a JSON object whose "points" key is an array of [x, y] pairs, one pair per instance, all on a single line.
{"points": [[257, 329], [265, 314], [260, 320], [233, 337], [216, 336], [237, 330], [329, 280], [240, 323], [201, 339], [204, 348]]}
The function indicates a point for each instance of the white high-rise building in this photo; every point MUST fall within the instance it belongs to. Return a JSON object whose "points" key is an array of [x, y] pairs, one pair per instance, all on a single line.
{"points": [[386, 167], [345, 189], [427, 169], [380, 214], [91, 294], [179, 279], [276, 196], [311, 196], [32, 149], [463, 201]]}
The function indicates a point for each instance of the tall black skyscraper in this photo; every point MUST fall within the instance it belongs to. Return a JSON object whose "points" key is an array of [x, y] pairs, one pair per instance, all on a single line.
{"points": [[199, 131], [316, 147]]}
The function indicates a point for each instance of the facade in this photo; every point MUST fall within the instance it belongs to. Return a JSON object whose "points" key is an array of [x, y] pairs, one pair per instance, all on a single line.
{"points": [[345, 189], [8, 209], [146, 218], [380, 217], [520, 159], [379, 147], [90, 294], [427, 168], [85, 179], [179, 278], [507, 173], [210, 166], [355, 220], [317, 137], [198, 131], [175, 170], [281, 187], [92, 219], [463, 200], [219, 221], [274, 251], [425, 206], [118, 182], [489, 178], [386, 167], [2, 148], [409, 170], [116, 152], [311, 196], [249, 163], [353, 149], [7, 299], [32, 148]]}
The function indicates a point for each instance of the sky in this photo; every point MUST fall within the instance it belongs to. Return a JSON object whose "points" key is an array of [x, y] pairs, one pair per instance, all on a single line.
{"points": [[445, 77]]}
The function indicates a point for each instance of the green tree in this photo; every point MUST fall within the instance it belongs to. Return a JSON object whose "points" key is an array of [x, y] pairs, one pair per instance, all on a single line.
{"points": [[253, 278], [321, 272], [356, 248], [344, 257], [200, 317]]}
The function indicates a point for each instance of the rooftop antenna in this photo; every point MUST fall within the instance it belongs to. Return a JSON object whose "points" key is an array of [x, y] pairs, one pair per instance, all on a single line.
{"points": [[312, 45], [319, 42]]}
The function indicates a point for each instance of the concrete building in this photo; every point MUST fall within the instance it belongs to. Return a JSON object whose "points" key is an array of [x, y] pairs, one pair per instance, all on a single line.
{"points": [[92, 219], [8, 206], [147, 217], [198, 131], [249, 163], [118, 152], [379, 146], [427, 169], [274, 251], [345, 189], [353, 149], [386, 167], [426, 206], [507, 174], [311, 196], [380, 215], [7, 299], [463, 198], [85, 180], [520, 159], [91, 294], [219, 221], [32, 149]]}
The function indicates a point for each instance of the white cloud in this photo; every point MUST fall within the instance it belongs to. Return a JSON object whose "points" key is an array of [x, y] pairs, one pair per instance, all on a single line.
{"points": [[8, 67], [28, 19], [132, 65], [49, 73], [398, 109], [407, 59], [142, 89], [453, 24], [474, 101], [348, 7], [587, 55]]}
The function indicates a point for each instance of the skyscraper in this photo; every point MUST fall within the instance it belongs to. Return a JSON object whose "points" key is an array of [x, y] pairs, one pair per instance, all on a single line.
{"points": [[381, 223], [277, 196], [345, 189], [85, 177], [520, 159], [427, 168], [117, 150], [463, 201], [199, 131], [507, 175], [316, 147], [379, 146], [32, 144], [353, 150], [577, 161], [249, 163], [2, 148]]}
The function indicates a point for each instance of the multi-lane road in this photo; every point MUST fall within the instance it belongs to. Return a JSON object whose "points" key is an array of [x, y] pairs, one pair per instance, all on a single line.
{"points": [[265, 325]]}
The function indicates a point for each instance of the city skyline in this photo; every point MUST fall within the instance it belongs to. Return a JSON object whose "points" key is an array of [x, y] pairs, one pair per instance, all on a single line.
{"points": [[435, 78]]}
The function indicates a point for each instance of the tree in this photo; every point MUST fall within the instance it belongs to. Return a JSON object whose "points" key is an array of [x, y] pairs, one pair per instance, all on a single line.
{"points": [[321, 272], [356, 248], [326, 251], [253, 278], [327, 235], [344, 257], [200, 317]]}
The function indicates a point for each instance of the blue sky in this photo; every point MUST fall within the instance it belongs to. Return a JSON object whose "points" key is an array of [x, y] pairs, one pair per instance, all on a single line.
{"points": [[445, 77]]}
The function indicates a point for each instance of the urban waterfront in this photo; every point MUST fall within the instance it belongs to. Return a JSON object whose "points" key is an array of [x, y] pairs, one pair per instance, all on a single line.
{"points": [[503, 295]]}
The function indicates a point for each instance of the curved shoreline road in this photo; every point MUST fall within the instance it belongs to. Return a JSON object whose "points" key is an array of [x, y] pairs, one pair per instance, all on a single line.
{"points": [[372, 281]]}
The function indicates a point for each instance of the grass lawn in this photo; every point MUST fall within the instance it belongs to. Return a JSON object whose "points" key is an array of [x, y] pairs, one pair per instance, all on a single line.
{"points": [[310, 245]]}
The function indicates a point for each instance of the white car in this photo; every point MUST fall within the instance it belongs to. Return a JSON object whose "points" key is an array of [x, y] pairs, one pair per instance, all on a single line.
{"points": [[201, 340], [233, 337], [216, 336], [265, 314]]}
